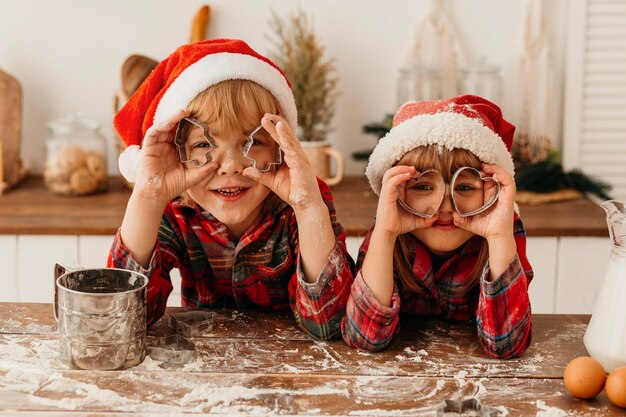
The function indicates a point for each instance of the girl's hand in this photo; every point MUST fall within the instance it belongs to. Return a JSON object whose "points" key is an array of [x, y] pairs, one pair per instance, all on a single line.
{"points": [[391, 219], [161, 175], [294, 181], [497, 221]]}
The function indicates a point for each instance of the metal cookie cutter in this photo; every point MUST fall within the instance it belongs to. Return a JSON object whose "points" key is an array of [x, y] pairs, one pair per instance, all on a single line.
{"points": [[173, 349], [467, 407], [192, 323]]}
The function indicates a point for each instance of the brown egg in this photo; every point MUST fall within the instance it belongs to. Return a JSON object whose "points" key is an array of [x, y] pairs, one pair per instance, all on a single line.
{"points": [[584, 377], [616, 387]]}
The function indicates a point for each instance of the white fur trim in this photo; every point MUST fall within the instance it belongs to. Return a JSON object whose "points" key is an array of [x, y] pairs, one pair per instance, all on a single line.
{"points": [[215, 68], [451, 130], [128, 162]]}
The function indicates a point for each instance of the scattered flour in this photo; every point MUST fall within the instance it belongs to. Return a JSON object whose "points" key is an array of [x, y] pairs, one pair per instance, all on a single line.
{"points": [[150, 364], [546, 411], [17, 327], [412, 356]]}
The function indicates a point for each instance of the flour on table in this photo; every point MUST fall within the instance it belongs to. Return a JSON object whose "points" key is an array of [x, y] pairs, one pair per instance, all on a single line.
{"points": [[412, 356], [547, 411]]}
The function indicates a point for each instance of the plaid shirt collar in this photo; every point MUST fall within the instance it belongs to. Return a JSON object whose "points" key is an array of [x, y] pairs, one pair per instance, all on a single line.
{"points": [[272, 207], [423, 264]]}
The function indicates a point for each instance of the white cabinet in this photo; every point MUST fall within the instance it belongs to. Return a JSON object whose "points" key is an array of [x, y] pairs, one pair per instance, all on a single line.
{"points": [[36, 256], [580, 272], [93, 250], [27, 262], [8, 263], [542, 254], [568, 270]]}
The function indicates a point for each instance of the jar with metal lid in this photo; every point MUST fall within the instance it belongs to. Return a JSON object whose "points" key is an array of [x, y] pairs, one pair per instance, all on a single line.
{"points": [[418, 82], [75, 157], [482, 79]]}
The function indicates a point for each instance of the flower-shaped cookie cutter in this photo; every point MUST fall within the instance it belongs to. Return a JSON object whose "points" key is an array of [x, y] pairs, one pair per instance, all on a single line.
{"points": [[192, 323], [467, 407], [174, 349]]}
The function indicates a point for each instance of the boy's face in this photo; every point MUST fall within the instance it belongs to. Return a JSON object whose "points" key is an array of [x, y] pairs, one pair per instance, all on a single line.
{"points": [[233, 199]]}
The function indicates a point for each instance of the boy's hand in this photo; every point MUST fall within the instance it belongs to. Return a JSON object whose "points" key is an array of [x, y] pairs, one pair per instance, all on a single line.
{"points": [[294, 181], [497, 222], [391, 219], [161, 175]]}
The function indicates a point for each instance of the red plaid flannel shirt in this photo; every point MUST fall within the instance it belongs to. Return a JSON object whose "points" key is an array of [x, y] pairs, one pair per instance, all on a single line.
{"points": [[501, 307], [261, 269]]}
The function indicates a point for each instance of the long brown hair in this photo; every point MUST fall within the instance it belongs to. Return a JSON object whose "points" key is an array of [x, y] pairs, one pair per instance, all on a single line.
{"points": [[447, 162]]}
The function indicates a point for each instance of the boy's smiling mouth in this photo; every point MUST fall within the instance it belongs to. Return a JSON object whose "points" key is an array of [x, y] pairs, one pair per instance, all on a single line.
{"points": [[230, 193]]}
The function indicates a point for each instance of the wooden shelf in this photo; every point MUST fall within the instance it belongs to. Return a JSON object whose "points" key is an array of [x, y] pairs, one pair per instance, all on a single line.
{"points": [[31, 209]]}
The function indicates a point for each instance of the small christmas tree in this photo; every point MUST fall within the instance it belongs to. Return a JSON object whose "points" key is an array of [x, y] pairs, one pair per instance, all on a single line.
{"points": [[313, 78]]}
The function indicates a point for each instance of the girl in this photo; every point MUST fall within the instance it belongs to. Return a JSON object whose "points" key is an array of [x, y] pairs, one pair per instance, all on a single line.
{"points": [[224, 192], [447, 241]]}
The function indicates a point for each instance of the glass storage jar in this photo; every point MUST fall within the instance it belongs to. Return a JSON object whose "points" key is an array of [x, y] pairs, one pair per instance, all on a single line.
{"points": [[418, 82], [482, 79], [75, 157]]}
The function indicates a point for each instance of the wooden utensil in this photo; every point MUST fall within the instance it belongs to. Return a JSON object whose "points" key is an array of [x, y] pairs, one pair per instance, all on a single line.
{"points": [[11, 167], [135, 70], [199, 24]]}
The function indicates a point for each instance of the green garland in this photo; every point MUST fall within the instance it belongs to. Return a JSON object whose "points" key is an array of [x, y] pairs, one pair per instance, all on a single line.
{"points": [[548, 176], [379, 129]]}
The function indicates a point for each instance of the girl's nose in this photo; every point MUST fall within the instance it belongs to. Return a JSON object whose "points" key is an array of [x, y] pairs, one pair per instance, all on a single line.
{"points": [[446, 204]]}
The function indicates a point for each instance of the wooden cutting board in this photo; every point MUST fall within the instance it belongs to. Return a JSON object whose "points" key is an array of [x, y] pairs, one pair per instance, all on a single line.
{"points": [[11, 169]]}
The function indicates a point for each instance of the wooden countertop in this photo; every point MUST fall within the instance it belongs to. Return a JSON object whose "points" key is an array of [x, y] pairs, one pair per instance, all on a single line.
{"points": [[259, 363], [31, 209]]}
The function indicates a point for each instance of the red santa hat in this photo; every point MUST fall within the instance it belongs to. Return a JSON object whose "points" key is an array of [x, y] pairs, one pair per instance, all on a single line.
{"points": [[187, 72], [463, 122]]}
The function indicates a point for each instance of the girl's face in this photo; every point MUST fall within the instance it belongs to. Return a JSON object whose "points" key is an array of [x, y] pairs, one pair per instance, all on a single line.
{"points": [[443, 237]]}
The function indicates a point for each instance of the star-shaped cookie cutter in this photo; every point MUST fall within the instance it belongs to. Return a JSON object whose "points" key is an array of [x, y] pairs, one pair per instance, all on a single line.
{"points": [[173, 349], [467, 407], [192, 323], [177, 348]]}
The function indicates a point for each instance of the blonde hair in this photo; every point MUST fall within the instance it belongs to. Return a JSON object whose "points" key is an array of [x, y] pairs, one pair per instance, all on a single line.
{"points": [[234, 106], [447, 162]]}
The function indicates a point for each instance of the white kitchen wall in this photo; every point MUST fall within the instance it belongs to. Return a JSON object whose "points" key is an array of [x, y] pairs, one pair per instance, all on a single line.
{"points": [[67, 54]]}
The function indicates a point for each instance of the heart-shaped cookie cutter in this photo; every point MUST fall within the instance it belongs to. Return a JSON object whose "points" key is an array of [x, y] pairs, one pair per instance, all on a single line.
{"points": [[486, 180], [438, 199]]}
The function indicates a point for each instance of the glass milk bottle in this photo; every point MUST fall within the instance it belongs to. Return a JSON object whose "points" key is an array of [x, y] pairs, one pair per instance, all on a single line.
{"points": [[605, 338]]}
